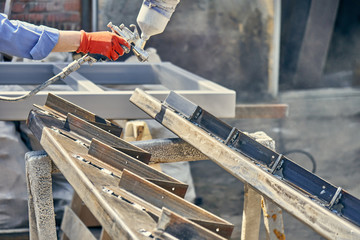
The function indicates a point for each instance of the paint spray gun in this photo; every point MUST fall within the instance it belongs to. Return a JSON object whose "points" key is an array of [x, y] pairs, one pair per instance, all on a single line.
{"points": [[152, 19]]}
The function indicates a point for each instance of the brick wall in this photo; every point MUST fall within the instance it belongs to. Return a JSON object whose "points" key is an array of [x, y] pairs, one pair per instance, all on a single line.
{"points": [[60, 14]]}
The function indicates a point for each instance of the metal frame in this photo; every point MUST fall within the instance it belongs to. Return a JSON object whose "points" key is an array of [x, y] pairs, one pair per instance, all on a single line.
{"points": [[209, 136], [88, 87], [336, 199], [128, 198]]}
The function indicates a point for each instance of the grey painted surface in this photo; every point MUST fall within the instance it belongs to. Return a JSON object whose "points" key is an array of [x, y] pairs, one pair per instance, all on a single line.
{"points": [[223, 41], [117, 81]]}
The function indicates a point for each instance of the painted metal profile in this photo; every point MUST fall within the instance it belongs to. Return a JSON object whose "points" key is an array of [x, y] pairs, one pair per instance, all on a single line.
{"points": [[303, 194]]}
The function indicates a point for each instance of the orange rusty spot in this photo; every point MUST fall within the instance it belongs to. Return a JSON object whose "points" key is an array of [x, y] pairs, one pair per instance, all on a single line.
{"points": [[274, 217], [279, 234]]}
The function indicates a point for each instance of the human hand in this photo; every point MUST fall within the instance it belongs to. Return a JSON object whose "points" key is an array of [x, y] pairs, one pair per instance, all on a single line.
{"points": [[104, 43]]}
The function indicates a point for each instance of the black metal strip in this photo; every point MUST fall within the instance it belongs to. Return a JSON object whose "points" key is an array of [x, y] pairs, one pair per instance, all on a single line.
{"points": [[212, 124], [254, 150], [89, 131], [116, 130], [196, 115], [307, 181], [329, 195], [349, 207]]}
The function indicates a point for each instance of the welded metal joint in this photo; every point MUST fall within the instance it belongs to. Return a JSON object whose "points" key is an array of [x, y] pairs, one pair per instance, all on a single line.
{"points": [[277, 164], [335, 198], [234, 134], [196, 114]]}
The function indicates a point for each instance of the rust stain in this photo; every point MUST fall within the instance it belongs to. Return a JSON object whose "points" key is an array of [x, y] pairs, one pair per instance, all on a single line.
{"points": [[279, 235], [274, 217]]}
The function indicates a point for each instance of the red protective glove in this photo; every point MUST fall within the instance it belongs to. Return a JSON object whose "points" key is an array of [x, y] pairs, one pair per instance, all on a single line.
{"points": [[104, 43]]}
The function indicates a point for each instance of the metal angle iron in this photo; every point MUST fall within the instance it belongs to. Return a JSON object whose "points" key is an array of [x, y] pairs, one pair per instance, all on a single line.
{"points": [[334, 198], [108, 178]]}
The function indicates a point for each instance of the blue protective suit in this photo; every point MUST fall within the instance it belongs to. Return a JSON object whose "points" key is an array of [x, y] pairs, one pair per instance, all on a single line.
{"points": [[26, 40]]}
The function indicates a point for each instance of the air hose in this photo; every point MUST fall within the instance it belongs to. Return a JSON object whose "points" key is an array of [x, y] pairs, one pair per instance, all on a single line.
{"points": [[72, 67]]}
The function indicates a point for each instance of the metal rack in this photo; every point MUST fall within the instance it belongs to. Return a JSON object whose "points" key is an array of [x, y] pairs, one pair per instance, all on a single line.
{"points": [[330, 211], [129, 199]]}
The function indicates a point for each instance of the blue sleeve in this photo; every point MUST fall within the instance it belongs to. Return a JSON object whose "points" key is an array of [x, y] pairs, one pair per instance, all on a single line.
{"points": [[26, 40]]}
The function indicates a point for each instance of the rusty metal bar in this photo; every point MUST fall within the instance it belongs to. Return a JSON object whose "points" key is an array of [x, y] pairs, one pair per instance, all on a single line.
{"points": [[89, 125], [88, 182], [121, 161], [89, 131], [105, 156], [62, 106], [161, 198], [177, 226], [170, 150]]}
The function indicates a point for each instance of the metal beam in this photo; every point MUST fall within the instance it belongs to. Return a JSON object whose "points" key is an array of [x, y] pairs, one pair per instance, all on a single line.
{"points": [[119, 80], [300, 205]]}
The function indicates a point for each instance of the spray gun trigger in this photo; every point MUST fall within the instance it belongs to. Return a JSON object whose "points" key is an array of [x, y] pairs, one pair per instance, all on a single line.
{"points": [[126, 50]]}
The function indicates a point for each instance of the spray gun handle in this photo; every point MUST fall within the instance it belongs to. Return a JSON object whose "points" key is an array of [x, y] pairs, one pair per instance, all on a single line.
{"points": [[133, 38], [126, 50], [119, 32]]}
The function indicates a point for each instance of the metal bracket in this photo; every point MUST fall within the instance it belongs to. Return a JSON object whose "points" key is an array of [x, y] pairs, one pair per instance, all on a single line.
{"points": [[277, 164], [335, 198]]}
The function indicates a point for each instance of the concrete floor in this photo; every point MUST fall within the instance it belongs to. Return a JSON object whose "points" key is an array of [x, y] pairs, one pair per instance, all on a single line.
{"points": [[325, 123]]}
